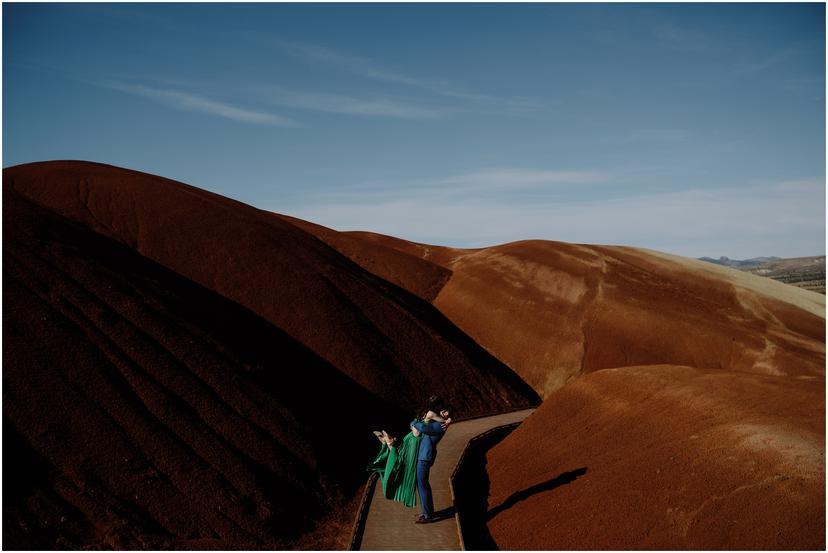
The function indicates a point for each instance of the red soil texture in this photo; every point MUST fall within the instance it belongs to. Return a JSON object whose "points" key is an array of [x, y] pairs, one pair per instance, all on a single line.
{"points": [[553, 311], [185, 371], [684, 403], [412, 272], [665, 457]]}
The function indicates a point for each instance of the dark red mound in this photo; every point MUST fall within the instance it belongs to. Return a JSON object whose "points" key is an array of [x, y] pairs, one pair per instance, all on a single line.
{"points": [[214, 393], [143, 410], [665, 457], [386, 339], [411, 272]]}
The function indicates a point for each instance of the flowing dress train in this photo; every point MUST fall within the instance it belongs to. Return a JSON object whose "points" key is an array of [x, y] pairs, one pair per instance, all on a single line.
{"points": [[397, 469]]}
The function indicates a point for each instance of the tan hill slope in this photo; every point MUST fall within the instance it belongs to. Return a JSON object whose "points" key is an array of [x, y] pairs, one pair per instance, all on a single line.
{"points": [[804, 272], [182, 370]]}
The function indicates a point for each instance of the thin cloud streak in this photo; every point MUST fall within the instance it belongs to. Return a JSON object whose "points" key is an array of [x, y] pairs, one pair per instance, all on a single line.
{"points": [[680, 38], [192, 102], [782, 219], [348, 105], [509, 178], [767, 62], [370, 69], [806, 186], [309, 100], [489, 182], [355, 64]]}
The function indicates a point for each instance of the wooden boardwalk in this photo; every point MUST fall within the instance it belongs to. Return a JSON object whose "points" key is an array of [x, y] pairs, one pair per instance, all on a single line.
{"points": [[390, 525]]}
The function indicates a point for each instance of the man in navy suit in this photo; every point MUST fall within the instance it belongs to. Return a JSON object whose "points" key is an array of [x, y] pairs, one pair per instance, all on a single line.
{"points": [[432, 433]]}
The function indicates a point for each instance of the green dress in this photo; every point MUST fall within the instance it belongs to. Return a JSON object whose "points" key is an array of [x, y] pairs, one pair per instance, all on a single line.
{"points": [[397, 469]]}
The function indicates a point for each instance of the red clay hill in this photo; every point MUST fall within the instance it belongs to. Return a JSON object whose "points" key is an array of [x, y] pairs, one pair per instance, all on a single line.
{"points": [[684, 402], [182, 370], [665, 457], [185, 371], [553, 311]]}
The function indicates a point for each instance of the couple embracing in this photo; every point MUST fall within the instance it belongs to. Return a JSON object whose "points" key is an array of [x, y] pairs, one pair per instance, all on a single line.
{"points": [[404, 466]]}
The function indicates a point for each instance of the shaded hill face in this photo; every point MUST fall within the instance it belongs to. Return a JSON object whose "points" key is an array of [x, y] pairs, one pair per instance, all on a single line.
{"points": [[665, 457], [416, 274], [142, 410], [181, 370], [553, 311], [383, 337]]}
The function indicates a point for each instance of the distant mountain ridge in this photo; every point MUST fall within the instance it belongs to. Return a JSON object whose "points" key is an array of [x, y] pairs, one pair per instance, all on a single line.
{"points": [[803, 272], [752, 262]]}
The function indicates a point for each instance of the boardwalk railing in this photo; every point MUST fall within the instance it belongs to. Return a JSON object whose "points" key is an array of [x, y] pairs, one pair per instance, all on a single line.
{"points": [[362, 512], [361, 516], [475, 447]]}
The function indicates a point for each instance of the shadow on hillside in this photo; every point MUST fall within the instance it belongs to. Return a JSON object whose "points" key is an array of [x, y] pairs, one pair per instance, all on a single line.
{"points": [[471, 486], [560, 480]]}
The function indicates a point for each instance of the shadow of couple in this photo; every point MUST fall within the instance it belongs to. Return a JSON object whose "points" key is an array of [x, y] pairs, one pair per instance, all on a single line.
{"points": [[560, 480], [443, 514]]}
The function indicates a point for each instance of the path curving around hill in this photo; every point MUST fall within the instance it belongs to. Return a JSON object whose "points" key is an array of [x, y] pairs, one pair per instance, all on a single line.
{"points": [[390, 526]]}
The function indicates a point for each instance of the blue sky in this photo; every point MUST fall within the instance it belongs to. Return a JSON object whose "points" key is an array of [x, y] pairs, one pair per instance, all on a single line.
{"points": [[695, 129]]}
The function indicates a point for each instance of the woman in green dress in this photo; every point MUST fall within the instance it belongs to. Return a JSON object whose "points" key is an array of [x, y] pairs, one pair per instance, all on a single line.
{"points": [[396, 462]]}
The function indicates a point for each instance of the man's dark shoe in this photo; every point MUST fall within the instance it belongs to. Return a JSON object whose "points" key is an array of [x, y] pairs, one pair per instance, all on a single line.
{"points": [[424, 520]]}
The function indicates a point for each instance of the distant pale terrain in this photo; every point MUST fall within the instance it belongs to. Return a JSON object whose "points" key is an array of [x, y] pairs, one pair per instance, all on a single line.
{"points": [[804, 272]]}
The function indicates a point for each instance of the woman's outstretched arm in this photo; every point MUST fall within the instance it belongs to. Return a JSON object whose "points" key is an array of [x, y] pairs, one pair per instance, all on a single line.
{"points": [[432, 416]]}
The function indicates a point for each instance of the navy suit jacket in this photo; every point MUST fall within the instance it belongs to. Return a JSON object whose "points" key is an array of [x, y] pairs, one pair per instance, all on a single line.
{"points": [[432, 433]]}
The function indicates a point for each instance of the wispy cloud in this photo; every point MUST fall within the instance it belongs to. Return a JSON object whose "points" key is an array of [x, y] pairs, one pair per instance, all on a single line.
{"points": [[483, 183], [622, 28], [810, 88], [371, 69], [681, 38], [511, 178], [808, 186], [355, 64], [784, 219], [349, 105], [193, 102], [768, 61], [657, 135], [304, 99], [131, 14]]}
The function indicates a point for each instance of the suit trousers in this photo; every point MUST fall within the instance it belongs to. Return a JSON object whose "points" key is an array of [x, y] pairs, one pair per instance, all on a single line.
{"points": [[424, 488]]}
